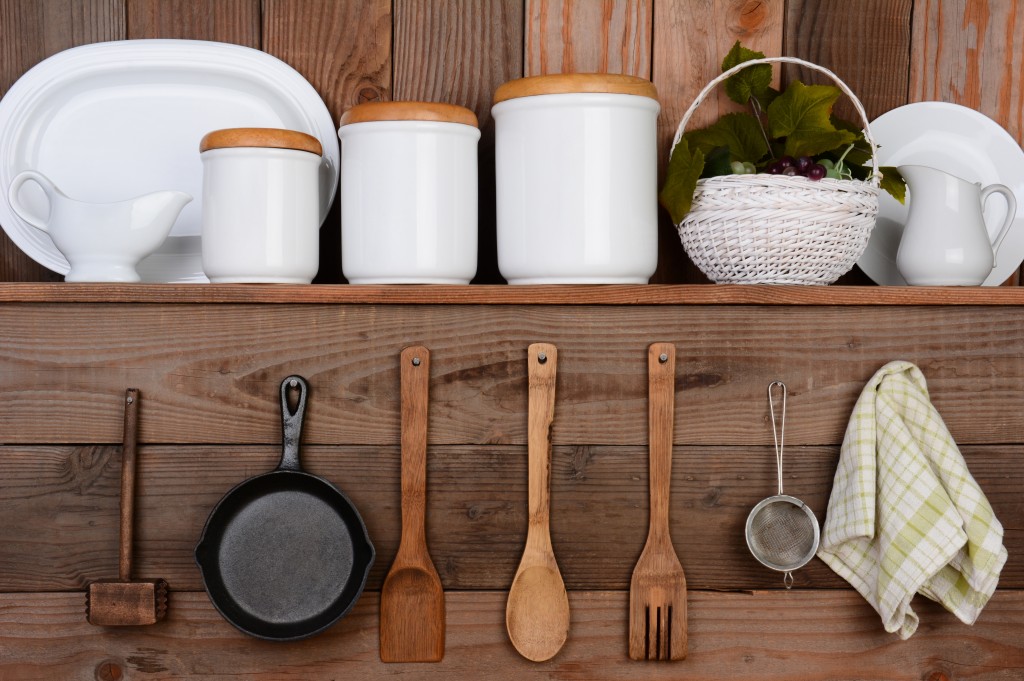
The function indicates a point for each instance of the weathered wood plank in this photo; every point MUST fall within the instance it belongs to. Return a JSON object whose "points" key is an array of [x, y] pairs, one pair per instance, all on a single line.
{"points": [[866, 44], [968, 52], [691, 37], [764, 636], [226, 21], [210, 374], [583, 36], [343, 48], [60, 509], [437, 58], [30, 31]]}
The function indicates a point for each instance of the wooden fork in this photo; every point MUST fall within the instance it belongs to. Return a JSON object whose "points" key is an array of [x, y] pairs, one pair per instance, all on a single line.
{"points": [[657, 592]]}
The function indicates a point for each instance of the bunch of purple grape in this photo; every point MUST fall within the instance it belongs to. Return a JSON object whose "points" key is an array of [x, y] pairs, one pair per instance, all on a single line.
{"points": [[802, 165]]}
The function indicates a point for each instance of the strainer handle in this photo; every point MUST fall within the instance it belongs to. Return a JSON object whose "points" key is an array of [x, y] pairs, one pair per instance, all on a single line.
{"points": [[778, 432]]}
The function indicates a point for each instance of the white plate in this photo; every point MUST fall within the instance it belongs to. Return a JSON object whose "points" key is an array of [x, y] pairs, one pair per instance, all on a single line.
{"points": [[110, 121], [960, 141]]}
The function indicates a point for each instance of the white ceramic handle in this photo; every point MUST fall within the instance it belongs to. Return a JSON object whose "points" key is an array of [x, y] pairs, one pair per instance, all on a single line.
{"points": [[1011, 212], [48, 188]]}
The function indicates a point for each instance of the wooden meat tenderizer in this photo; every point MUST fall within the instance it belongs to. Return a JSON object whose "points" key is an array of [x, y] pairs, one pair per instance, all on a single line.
{"points": [[127, 602]]}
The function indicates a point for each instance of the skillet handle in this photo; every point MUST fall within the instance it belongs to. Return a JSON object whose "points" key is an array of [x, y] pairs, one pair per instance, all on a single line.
{"points": [[292, 422]]}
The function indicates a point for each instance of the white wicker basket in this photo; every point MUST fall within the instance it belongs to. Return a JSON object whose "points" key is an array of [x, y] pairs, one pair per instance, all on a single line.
{"points": [[779, 229]]}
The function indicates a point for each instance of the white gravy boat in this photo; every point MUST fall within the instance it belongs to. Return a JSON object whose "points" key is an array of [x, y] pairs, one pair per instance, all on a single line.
{"points": [[102, 241]]}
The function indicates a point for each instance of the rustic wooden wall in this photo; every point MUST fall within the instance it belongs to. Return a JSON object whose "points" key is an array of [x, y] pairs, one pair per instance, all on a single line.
{"points": [[209, 372], [890, 52]]}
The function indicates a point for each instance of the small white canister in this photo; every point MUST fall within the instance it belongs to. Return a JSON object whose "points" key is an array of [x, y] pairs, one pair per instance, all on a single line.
{"points": [[261, 206], [576, 166], [408, 193]]}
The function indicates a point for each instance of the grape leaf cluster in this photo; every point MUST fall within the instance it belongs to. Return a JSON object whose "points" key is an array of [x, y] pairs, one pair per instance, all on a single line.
{"points": [[785, 133]]}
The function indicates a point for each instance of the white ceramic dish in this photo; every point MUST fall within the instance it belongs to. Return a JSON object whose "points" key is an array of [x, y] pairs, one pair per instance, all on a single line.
{"points": [[109, 121], [960, 141]]}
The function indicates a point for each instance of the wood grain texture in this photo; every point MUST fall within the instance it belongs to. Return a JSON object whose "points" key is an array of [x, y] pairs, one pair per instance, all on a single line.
{"points": [[210, 373], [762, 636], [588, 36], [460, 52], [60, 509], [969, 52], [691, 37], [611, 294], [31, 31], [226, 21], [831, 33]]}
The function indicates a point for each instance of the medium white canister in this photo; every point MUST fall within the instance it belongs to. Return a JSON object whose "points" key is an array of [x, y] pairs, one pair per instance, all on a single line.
{"points": [[576, 166], [261, 205], [408, 193]]}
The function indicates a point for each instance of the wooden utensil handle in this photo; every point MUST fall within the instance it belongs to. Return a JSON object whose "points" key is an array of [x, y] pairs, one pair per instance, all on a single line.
{"points": [[542, 367], [415, 379], [661, 370], [129, 454]]}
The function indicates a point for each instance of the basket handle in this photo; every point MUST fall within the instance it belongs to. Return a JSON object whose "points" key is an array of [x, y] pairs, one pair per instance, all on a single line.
{"points": [[875, 174]]}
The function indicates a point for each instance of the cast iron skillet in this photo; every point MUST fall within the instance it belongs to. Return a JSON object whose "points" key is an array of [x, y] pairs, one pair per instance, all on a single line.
{"points": [[285, 554]]}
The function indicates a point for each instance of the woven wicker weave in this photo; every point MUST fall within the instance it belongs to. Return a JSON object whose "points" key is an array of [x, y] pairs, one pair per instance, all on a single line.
{"points": [[779, 229]]}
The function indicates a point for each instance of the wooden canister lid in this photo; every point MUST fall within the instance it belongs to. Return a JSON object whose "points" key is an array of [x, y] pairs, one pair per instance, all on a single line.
{"points": [[272, 138], [409, 111], [571, 83]]}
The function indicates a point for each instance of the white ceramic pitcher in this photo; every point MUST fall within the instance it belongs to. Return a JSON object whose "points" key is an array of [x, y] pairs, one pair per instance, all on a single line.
{"points": [[102, 241], [945, 241]]}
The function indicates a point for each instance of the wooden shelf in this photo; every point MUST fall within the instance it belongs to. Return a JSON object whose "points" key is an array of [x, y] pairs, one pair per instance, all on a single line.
{"points": [[694, 294]]}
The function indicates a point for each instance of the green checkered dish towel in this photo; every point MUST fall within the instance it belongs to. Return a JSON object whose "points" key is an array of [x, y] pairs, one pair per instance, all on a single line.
{"points": [[905, 515]]}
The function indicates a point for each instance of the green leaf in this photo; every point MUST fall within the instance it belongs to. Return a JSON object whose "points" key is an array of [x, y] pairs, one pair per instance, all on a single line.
{"points": [[802, 114], [717, 162], [894, 183], [684, 168], [740, 132], [754, 81]]}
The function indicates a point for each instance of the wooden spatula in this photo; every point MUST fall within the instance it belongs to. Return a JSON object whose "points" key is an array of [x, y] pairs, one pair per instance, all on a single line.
{"points": [[657, 592], [124, 601], [537, 612], [412, 599]]}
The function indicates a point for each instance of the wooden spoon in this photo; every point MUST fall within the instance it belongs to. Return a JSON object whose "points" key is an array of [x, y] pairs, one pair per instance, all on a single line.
{"points": [[537, 613], [412, 599]]}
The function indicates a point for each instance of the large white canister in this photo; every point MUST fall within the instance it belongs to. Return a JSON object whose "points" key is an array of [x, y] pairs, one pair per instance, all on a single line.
{"points": [[408, 193], [261, 205], [576, 167]]}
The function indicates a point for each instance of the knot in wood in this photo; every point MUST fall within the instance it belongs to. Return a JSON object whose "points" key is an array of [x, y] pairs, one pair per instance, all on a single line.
{"points": [[109, 671], [937, 676], [369, 94]]}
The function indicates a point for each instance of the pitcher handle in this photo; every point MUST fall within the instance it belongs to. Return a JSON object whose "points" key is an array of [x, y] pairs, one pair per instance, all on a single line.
{"points": [[12, 194], [1011, 212]]}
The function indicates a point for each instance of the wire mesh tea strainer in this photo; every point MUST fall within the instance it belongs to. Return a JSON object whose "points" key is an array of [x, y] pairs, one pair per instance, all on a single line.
{"points": [[782, 532]]}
